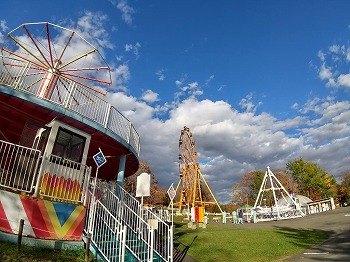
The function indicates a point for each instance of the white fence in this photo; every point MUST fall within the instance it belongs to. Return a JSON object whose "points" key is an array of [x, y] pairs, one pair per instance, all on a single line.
{"points": [[23, 169], [18, 166]]}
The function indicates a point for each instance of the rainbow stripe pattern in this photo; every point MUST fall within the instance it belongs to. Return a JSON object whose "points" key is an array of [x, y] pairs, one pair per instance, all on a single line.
{"points": [[42, 219], [60, 187]]}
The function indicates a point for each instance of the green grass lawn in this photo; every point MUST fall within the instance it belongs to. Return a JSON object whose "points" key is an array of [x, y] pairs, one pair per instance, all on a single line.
{"points": [[217, 242], [225, 243], [9, 252]]}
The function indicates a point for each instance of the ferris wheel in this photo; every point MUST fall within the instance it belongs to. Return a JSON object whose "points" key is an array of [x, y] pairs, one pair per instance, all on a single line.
{"points": [[192, 189], [52, 61]]}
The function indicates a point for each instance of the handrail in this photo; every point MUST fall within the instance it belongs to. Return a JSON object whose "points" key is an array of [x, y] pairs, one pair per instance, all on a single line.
{"points": [[23, 169], [19, 75], [147, 235], [18, 167]]}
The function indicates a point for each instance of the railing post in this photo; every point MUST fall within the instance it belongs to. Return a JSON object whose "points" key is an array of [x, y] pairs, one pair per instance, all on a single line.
{"points": [[170, 244], [86, 185], [87, 247], [70, 94], [123, 244], [107, 116], [18, 82], [20, 232], [129, 137], [150, 257], [40, 173], [92, 213]]}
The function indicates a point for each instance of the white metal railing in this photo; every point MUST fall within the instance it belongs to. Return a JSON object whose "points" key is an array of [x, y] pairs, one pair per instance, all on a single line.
{"points": [[23, 169], [63, 179], [162, 243], [18, 166], [21, 76], [147, 235], [108, 235]]}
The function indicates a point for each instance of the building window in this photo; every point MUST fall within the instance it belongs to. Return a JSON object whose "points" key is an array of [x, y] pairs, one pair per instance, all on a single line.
{"points": [[69, 145]]}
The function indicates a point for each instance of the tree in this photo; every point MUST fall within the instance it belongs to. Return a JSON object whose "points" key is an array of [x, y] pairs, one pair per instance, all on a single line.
{"points": [[312, 181], [247, 189], [344, 188], [255, 184], [241, 191]]}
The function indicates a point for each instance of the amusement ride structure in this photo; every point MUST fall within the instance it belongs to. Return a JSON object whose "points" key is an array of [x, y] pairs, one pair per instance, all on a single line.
{"points": [[282, 205], [192, 189], [54, 121]]}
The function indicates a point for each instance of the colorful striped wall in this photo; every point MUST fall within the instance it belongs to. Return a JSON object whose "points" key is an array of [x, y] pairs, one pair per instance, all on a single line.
{"points": [[42, 219]]}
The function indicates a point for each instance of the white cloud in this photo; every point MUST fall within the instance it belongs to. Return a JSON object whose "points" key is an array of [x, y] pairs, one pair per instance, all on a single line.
{"points": [[160, 74], [325, 73], [207, 82], [134, 49], [248, 105], [344, 80], [189, 90], [126, 10], [3, 29], [178, 83], [120, 77], [321, 56], [334, 66], [149, 96], [3, 26], [91, 26]]}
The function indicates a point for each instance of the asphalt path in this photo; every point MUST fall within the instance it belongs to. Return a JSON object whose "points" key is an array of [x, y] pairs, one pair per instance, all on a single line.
{"points": [[335, 222]]}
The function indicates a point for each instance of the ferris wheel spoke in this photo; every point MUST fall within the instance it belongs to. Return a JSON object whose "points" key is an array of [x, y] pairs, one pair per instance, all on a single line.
{"points": [[76, 59], [24, 58], [84, 77], [58, 89], [37, 47], [87, 86], [49, 43], [80, 92], [27, 50], [66, 45]]}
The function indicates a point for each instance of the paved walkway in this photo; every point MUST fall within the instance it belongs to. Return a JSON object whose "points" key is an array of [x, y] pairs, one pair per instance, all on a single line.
{"points": [[336, 223]]}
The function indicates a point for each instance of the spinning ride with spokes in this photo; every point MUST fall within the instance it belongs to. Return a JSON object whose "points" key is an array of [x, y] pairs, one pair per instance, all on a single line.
{"points": [[55, 62], [192, 189]]}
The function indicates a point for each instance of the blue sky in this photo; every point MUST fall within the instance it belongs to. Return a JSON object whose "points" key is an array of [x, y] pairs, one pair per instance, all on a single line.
{"points": [[258, 83]]}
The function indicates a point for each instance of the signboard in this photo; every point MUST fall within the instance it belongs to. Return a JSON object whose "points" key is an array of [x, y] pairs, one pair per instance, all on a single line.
{"points": [[143, 185], [99, 159], [171, 192]]}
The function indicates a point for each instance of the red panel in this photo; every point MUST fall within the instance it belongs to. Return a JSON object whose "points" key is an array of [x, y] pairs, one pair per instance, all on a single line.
{"points": [[4, 224]]}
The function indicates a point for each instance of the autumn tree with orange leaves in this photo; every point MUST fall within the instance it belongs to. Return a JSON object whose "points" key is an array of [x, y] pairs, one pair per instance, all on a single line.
{"points": [[246, 191], [157, 193]]}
